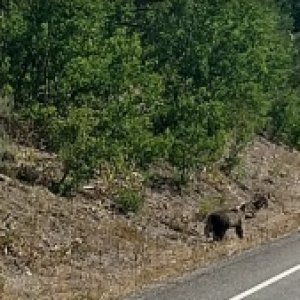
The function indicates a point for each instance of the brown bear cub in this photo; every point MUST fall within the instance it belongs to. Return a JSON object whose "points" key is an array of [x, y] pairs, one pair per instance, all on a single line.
{"points": [[259, 201], [218, 222]]}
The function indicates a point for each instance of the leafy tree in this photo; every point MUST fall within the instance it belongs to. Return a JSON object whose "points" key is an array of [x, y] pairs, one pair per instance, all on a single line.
{"points": [[220, 69], [284, 122], [131, 82]]}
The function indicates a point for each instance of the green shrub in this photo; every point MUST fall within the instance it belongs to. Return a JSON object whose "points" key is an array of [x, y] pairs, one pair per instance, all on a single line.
{"points": [[78, 149], [129, 200], [207, 205], [172, 81]]}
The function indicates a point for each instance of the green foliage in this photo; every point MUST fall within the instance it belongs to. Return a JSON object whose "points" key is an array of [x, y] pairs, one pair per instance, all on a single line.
{"points": [[293, 8], [129, 200], [130, 83], [6, 107], [77, 147], [285, 124], [296, 14], [220, 70], [208, 205], [290, 131], [6, 102]]}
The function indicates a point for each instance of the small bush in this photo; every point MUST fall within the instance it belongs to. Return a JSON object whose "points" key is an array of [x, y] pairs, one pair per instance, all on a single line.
{"points": [[80, 151], [129, 200], [7, 156], [208, 205], [27, 173]]}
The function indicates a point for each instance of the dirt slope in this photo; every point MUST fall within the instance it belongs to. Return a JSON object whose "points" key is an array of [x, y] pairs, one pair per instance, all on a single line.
{"points": [[80, 248]]}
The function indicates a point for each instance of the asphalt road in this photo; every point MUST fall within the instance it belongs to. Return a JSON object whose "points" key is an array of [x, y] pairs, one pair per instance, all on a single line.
{"points": [[271, 271]]}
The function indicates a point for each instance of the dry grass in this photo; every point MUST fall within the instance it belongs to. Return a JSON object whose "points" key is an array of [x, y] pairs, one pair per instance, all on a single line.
{"points": [[80, 248]]}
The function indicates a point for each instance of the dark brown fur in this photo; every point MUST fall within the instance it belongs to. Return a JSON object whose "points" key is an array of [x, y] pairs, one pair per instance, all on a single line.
{"points": [[218, 222], [258, 202]]}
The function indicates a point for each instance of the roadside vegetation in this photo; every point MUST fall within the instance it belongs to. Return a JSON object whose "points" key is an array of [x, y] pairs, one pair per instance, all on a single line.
{"points": [[123, 124], [189, 83]]}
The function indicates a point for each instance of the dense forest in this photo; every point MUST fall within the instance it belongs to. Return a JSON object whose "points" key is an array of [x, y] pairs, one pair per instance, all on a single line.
{"points": [[128, 83]]}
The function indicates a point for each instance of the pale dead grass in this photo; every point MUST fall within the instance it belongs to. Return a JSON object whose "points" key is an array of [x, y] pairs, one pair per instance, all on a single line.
{"points": [[184, 259], [78, 248]]}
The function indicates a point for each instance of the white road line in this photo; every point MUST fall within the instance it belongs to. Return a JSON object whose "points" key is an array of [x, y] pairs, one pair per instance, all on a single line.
{"points": [[266, 283]]}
